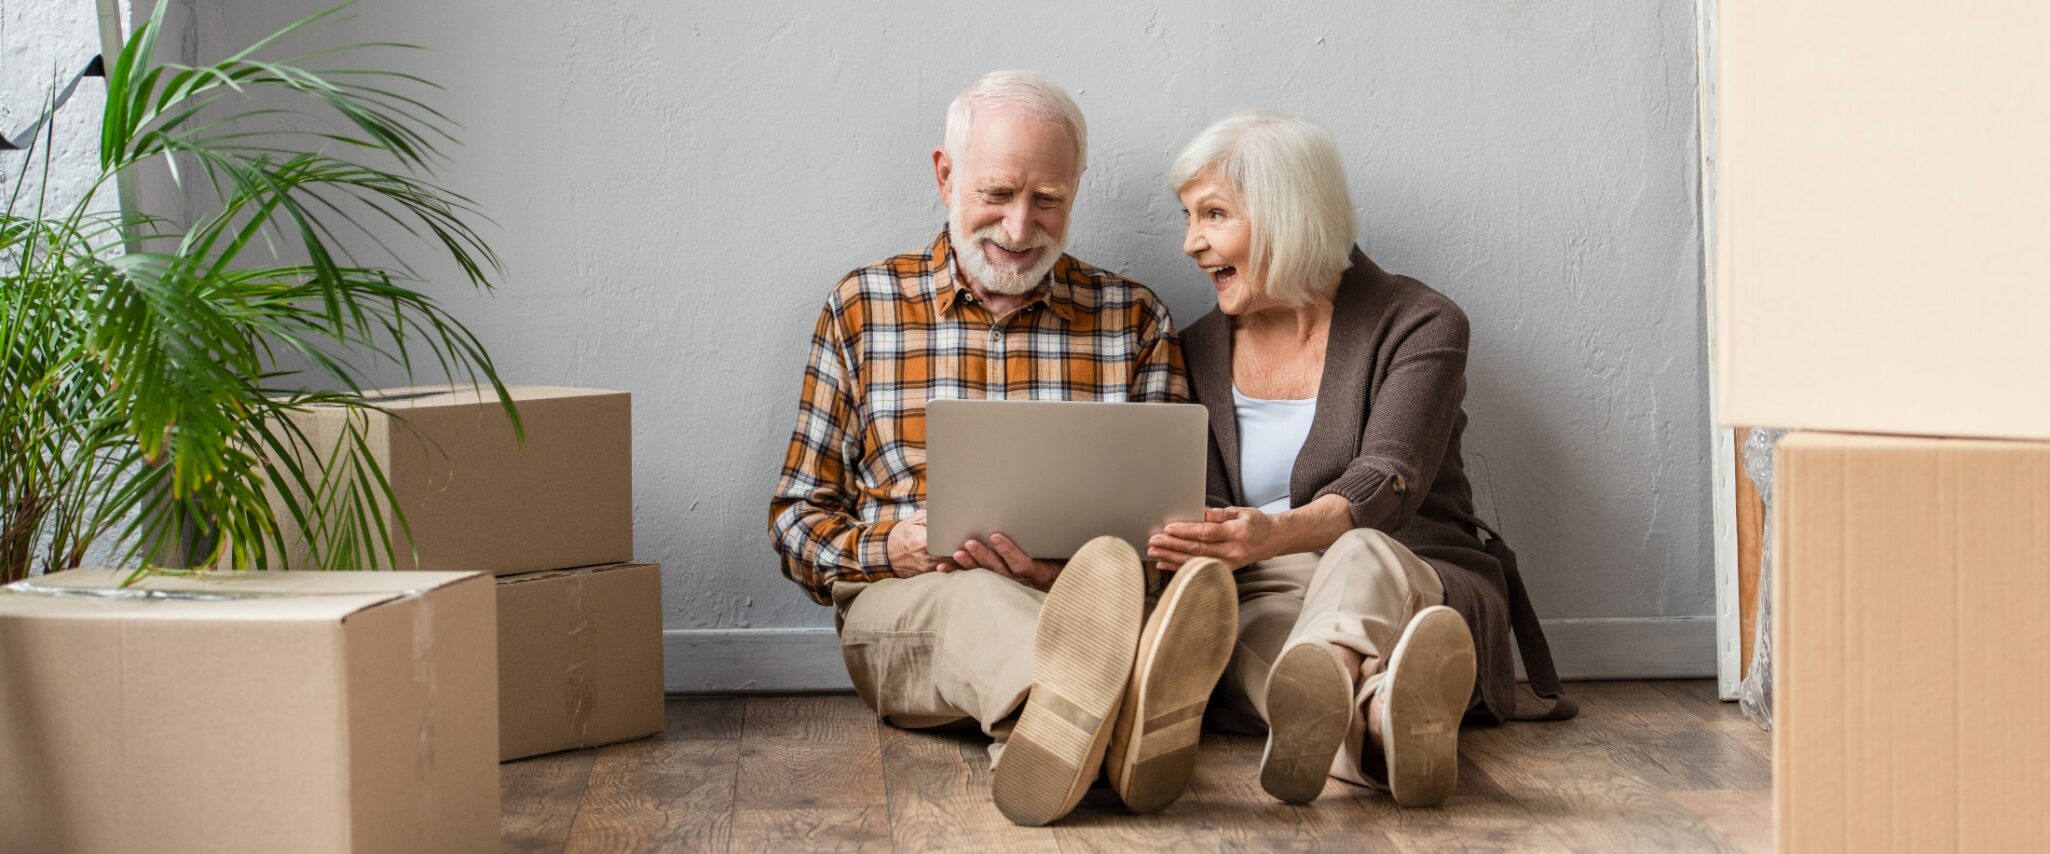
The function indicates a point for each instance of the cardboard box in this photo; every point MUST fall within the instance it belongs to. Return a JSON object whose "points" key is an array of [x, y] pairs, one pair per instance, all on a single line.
{"points": [[1881, 190], [579, 658], [1912, 650], [478, 501], [259, 712]]}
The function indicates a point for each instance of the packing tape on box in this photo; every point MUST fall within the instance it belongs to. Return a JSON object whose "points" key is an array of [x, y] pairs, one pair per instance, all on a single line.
{"points": [[430, 686], [583, 638]]}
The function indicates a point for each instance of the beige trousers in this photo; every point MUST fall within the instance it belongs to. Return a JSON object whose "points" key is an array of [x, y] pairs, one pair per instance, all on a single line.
{"points": [[941, 647], [944, 647], [1356, 596]]}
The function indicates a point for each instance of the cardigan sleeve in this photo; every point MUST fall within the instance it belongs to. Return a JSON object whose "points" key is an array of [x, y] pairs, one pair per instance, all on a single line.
{"points": [[1409, 422], [1216, 484]]}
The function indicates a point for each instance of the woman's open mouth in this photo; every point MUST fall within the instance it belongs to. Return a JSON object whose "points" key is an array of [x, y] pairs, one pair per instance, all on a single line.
{"points": [[1223, 276]]}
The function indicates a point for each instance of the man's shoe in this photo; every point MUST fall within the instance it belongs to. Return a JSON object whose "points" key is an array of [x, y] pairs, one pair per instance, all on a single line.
{"points": [[1426, 693], [1088, 633], [1182, 652], [1309, 708]]}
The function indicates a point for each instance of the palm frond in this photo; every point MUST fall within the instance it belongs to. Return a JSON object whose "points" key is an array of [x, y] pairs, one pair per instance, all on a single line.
{"points": [[144, 397]]}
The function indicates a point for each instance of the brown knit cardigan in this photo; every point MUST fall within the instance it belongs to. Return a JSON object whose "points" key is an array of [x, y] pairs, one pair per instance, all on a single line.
{"points": [[1386, 437]]}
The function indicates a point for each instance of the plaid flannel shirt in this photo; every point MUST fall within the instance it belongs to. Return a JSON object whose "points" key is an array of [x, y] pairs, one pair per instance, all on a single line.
{"points": [[899, 333]]}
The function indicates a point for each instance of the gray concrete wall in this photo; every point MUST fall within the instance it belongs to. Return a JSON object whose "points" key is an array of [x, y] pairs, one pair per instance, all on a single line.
{"points": [[677, 185], [43, 43]]}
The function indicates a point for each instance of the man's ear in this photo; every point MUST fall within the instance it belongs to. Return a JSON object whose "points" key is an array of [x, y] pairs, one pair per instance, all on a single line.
{"points": [[943, 173]]}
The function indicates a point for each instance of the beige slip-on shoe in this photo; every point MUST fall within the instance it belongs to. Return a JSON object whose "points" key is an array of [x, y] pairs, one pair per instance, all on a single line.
{"points": [[1182, 652], [1309, 709], [1429, 683], [1083, 649]]}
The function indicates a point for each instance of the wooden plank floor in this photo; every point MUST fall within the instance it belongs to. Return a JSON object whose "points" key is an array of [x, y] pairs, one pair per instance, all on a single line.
{"points": [[1648, 766]]}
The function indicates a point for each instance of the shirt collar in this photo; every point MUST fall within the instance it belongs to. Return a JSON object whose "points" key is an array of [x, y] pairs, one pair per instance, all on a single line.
{"points": [[1056, 292]]}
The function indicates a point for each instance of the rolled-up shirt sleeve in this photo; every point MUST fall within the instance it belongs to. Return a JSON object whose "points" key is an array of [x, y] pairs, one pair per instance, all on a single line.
{"points": [[812, 522]]}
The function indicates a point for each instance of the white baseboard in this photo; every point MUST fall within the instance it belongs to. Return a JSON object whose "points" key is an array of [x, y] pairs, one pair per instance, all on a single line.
{"points": [[770, 660], [1632, 647], [702, 661]]}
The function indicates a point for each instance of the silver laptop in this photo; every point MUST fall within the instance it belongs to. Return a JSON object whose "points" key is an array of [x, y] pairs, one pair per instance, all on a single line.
{"points": [[1053, 475]]}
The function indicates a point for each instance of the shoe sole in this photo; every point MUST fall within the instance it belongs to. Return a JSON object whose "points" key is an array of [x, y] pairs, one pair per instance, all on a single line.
{"points": [[1182, 654], [1087, 636], [1430, 680], [1309, 708]]}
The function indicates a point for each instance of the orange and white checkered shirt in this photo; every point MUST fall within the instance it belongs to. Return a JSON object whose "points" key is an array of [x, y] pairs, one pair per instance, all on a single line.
{"points": [[899, 333]]}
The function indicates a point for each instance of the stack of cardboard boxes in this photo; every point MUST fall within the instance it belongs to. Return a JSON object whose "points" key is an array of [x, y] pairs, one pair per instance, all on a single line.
{"points": [[349, 711], [1881, 197], [548, 509]]}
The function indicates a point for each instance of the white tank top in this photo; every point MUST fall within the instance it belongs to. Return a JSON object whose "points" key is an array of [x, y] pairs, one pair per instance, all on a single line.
{"points": [[1271, 433]]}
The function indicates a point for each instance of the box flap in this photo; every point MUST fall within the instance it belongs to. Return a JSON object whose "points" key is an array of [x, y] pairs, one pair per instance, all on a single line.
{"points": [[464, 394], [323, 596], [1815, 439]]}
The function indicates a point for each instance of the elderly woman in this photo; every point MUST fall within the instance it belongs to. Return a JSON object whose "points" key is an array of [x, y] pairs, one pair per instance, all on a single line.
{"points": [[1372, 614]]}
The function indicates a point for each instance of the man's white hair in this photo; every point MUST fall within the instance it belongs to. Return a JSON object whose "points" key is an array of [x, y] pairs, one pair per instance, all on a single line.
{"points": [[1019, 90], [1289, 178]]}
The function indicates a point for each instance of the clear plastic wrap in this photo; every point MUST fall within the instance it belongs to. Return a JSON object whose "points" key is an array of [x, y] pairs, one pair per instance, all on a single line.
{"points": [[1754, 696]]}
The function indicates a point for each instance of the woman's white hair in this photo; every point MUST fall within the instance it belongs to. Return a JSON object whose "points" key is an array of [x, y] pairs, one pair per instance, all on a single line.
{"points": [[1019, 90], [1290, 182]]}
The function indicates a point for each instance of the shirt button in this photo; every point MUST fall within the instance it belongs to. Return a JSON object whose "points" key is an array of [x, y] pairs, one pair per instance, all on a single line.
{"points": [[996, 335]]}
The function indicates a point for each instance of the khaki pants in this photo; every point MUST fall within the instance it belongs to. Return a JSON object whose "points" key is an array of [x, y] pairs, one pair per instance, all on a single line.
{"points": [[1356, 596], [939, 648]]}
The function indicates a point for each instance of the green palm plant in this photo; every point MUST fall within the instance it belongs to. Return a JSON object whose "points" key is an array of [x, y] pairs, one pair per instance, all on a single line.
{"points": [[146, 395]]}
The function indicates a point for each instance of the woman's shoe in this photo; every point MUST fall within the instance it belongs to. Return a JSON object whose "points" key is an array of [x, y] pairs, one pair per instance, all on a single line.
{"points": [[1182, 652], [1309, 708], [1424, 697], [1087, 636]]}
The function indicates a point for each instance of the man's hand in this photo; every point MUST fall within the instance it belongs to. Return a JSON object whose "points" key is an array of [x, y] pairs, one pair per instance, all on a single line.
{"points": [[1003, 556], [1238, 536], [907, 549]]}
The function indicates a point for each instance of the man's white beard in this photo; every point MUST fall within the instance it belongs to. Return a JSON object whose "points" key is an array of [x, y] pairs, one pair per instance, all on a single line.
{"points": [[1004, 279]]}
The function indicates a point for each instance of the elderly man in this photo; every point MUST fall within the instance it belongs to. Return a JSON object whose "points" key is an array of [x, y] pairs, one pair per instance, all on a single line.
{"points": [[1057, 660]]}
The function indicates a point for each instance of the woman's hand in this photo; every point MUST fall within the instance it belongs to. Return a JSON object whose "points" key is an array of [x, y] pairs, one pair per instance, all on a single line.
{"points": [[1238, 536]]}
